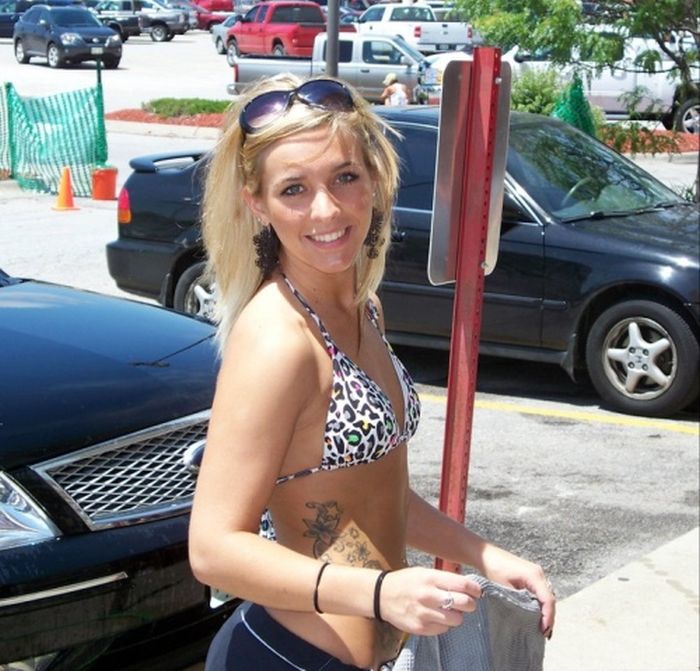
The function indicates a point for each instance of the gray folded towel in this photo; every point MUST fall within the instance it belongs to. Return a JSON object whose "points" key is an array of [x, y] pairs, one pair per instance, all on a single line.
{"points": [[503, 634]]}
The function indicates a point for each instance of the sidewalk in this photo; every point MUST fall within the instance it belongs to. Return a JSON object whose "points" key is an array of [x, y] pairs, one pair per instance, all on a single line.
{"points": [[642, 617]]}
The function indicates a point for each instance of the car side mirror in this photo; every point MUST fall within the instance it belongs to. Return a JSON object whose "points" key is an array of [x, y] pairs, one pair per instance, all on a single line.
{"points": [[522, 56]]}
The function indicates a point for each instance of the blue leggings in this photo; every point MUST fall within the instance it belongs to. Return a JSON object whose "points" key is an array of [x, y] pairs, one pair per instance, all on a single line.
{"points": [[250, 640]]}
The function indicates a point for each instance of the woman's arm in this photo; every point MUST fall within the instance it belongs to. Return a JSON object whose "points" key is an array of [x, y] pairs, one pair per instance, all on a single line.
{"points": [[431, 531]]}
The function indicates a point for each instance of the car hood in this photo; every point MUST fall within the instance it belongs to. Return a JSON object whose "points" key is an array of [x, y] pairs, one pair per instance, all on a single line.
{"points": [[86, 32], [672, 232], [80, 368]]}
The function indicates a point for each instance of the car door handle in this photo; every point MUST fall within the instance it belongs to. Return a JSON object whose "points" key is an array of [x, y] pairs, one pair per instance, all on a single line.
{"points": [[397, 235]]}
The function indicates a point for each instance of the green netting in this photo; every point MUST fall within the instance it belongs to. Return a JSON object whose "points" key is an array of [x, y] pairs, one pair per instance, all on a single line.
{"points": [[40, 136], [5, 164], [574, 108]]}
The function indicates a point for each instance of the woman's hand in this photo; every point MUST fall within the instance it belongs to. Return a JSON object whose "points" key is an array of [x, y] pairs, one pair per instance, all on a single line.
{"points": [[426, 601], [507, 569]]}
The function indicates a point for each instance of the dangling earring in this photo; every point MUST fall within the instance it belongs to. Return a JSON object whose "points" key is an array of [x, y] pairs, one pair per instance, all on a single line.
{"points": [[267, 247], [373, 239]]}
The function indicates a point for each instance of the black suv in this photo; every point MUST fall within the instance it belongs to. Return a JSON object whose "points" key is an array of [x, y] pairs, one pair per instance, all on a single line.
{"points": [[65, 34]]}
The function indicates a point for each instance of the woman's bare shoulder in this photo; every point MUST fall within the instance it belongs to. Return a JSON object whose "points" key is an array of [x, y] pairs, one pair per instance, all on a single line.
{"points": [[269, 336]]}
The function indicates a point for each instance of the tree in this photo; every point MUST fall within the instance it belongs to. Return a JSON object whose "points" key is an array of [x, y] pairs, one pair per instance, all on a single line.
{"points": [[563, 28]]}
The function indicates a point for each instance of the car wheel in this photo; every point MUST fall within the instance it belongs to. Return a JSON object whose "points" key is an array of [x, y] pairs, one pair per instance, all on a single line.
{"points": [[159, 33], [220, 46], [232, 52], [193, 295], [278, 51], [20, 55], [642, 358], [170, 37], [687, 118], [111, 63], [53, 56]]}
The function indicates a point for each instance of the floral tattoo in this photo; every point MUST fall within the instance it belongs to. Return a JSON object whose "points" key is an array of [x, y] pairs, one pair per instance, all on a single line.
{"points": [[326, 534]]}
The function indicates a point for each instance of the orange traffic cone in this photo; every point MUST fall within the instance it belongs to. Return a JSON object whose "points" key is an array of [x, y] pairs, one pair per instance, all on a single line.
{"points": [[65, 192]]}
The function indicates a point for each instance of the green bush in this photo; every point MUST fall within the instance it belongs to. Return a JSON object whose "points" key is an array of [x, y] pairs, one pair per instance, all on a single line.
{"points": [[174, 107], [536, 92]]}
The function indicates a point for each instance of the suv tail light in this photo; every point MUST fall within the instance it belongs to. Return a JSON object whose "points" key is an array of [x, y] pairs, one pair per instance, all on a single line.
{"points": [[417, 31], [123, 207]]}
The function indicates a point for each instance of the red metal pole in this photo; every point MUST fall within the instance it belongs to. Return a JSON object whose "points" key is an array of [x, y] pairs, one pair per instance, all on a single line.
{"points": [[469, 285]]}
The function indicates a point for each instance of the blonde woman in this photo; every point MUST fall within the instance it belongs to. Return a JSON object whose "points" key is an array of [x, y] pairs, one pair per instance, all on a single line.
{"points": [[313, 411]]}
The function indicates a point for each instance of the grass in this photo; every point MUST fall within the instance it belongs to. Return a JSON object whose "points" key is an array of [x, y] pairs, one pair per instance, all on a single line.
{"points": [[177, 107]]}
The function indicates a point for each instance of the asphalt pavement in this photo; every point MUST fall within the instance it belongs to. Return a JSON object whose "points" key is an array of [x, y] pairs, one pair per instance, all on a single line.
{"points": [[641, 617]]}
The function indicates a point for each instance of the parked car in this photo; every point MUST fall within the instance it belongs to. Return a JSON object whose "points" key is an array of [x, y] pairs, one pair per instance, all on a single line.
{"points": [[277, 28], [219, 33], [101, 398], [65, 35], [597, 270], [417, 23], [363, 61], [9, 15], [160, 22]]}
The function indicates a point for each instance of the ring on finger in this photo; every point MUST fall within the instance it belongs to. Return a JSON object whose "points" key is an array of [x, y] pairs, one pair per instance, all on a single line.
{"points": [[448, 602]]}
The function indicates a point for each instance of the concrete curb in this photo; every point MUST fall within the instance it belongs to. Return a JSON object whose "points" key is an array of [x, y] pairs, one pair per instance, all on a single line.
{"points": [[642, 617], [162, 129]]}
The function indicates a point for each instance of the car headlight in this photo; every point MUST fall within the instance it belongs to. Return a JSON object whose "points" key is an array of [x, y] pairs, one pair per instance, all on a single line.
{"points": [[71, 38], [22, 521], [114, 40]]}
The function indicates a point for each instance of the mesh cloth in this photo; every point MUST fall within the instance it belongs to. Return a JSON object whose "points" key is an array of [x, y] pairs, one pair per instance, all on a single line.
{"points": [[503, 634], [40, 136], [574, 108]]}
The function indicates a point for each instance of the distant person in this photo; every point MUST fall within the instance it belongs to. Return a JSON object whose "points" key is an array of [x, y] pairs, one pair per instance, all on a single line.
{"points": [[395, 93]]}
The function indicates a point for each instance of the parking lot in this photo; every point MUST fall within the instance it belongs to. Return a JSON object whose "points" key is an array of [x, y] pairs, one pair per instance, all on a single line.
{"points": [[553, 476]]}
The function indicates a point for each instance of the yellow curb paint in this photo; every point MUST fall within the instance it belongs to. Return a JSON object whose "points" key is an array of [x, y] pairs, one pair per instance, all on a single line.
{"points": [[619, 420]]}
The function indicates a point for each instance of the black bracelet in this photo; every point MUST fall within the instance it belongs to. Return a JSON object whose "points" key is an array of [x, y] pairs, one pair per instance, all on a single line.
{"points": [[318, 582], [377, 595]]}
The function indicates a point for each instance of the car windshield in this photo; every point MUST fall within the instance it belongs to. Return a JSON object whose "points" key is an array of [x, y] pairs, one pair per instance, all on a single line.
{"points": [[74, 17], [573, 176]]}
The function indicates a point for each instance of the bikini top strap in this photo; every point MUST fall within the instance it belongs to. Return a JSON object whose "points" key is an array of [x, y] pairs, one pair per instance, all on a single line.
{"points": [[330, 346]]}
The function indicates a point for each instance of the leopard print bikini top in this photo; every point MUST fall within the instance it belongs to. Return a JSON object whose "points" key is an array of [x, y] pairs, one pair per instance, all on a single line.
{"points": [[361, 425]]}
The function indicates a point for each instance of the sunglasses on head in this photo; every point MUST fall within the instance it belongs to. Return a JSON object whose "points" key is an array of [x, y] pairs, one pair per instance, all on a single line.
{"points": [[325, 94]]}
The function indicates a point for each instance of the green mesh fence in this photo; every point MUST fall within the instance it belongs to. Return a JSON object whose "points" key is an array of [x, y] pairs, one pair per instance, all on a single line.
{"points": [[40, 136], [574, 108]]}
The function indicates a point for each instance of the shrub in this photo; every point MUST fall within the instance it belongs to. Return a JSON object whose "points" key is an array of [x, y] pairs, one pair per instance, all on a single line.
{"points": [[174, 107], [536, 91]]}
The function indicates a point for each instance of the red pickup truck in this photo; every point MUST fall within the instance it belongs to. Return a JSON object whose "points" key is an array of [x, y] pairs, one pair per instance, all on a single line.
{"points": [[278, 28]]}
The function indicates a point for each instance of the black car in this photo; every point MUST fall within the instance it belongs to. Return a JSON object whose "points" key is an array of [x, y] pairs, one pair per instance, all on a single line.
{"points": [[597, 268], [65, 35], [100, 399]]}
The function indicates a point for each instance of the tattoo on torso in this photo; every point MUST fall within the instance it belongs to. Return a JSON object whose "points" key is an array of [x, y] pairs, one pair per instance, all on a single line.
{"points": [[327, 535]]}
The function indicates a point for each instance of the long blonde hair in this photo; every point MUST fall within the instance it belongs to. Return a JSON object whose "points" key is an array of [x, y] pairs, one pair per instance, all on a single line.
{"points": [[228, 226]]}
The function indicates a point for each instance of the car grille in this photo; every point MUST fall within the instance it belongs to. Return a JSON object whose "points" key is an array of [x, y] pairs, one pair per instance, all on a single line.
{"points": [[133, 479]]}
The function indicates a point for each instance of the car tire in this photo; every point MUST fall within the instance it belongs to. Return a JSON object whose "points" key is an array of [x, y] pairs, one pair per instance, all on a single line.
{"points": [[159, 33], [687, 117], [111, 63], [220, 46], [193, 295], [232, 52], [53, 56], [20, 54], [170, 37], [278, 51], [630, 371]]}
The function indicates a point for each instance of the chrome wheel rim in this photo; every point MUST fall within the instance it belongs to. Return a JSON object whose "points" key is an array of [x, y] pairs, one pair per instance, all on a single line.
{"points": [[640, 358], [199, 301]]}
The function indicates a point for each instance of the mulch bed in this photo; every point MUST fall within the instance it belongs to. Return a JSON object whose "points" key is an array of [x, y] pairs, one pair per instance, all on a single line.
{"points": [[686, 142]]}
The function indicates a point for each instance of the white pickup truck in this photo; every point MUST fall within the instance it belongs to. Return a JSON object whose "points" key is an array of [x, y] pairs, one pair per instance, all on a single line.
{"points": [[660, 96], [417, 24], [364, 61]]}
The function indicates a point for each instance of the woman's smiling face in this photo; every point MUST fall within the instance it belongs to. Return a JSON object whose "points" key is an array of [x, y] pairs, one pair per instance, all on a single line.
{"points": [[317, 192]]}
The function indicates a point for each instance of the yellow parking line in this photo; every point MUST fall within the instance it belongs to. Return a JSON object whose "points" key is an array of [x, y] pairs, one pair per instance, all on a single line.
{"points": [[620, 420]]}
